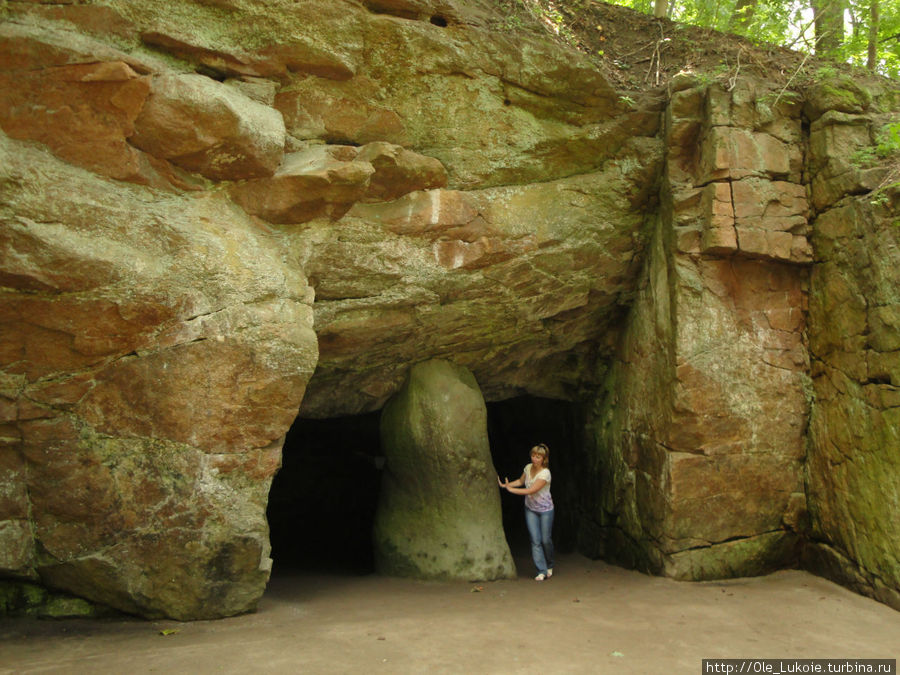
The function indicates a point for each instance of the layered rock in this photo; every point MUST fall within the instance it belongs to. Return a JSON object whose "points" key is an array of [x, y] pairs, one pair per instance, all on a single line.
{"points": [[438, 513], [855, 344], [503, 280], [144, 403], [219, 214], [701, 427], [170, 181]]}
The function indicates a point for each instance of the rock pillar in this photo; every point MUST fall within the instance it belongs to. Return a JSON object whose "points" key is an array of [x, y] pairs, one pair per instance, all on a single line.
{"points": [[853, 468], [439, 512], [701, 431]]}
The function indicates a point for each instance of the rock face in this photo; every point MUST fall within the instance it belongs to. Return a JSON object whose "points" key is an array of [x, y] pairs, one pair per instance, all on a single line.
{"points": [[144, 403], [438, 514], [706, 405], [222, 214], [854, 342]]}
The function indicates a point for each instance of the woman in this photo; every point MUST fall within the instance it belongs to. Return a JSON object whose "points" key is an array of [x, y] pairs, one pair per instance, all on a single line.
{"points": [[535, 485]]}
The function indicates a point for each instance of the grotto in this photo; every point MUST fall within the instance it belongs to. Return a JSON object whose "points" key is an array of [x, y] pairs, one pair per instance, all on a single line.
{"points": [[255, 254]]}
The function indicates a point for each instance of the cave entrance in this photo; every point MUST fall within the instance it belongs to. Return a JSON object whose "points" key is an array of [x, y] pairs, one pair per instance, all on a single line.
{"points": [[514, 427], [323, 499]]}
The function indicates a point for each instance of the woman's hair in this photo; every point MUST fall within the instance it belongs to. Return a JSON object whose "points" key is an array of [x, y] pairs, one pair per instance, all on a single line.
{"points": [[542, 450]]}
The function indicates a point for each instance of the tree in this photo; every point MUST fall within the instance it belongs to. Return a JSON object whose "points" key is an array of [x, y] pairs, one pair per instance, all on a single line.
{"points": [[873, 42], [872, 46], [742, 17], [829, 26]]}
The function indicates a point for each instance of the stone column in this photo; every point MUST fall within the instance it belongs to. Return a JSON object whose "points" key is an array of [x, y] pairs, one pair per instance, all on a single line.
{"points": [[701, 428], [439, 511], [853, 480]]}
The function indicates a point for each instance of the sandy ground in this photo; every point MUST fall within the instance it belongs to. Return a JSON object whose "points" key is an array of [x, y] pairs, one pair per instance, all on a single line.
{"points": [[590, 617]]}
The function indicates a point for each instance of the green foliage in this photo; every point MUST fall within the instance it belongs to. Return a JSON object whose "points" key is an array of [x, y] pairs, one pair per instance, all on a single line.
{"points": [[790, 25], [856, 37], [825, 73], [888, 141], [885, 152], [887, 146]]}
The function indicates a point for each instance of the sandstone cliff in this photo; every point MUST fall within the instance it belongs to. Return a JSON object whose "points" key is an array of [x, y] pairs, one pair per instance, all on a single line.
{"points": [[221, 214]]}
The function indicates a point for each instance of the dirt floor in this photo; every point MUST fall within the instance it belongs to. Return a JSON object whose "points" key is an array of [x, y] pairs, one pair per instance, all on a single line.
{"points": [[590, 617]]}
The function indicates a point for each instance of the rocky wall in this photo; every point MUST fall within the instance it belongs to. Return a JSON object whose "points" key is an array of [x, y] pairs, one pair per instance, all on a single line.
{"points": [[699, 433], [204, 203], [854, 336], [220, 214]]}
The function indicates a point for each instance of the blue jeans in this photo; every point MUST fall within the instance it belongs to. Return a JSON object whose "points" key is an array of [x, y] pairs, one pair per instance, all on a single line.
{"points": [[540, 527]]}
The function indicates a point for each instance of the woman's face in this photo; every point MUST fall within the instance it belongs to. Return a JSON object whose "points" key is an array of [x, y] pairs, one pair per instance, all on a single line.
{"points": [[537, 459]]}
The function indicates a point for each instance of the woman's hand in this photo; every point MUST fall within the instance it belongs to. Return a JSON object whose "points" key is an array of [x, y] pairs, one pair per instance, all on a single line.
{"points": [[502, 484]]}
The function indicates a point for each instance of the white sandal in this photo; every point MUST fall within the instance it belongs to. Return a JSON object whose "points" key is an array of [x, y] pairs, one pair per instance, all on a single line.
{"points": [[549, 572], [540, 577]]}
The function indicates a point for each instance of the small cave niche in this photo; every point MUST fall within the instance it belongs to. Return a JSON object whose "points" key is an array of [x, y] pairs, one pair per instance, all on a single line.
{"points": [[515, 426], [322, 501]]}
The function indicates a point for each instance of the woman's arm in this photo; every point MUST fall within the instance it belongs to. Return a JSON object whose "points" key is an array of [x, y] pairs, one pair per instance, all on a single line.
{"points": [[516, 483], [535, 487]]}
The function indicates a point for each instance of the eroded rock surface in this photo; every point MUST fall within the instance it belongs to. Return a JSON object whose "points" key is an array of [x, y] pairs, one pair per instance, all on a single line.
{"points": [[707, 401], [220, 215], [854, 340]]}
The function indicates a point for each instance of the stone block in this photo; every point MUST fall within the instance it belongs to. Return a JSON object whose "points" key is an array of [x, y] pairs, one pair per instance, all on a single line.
{"points": [[733, 153], [840, 94], [209, 128], [321, 181], [83, 112], [770, 205], [399, 171], [759, 243], [687, 104], [742, 493], [327, 180], [718, 219], [340, 117]]}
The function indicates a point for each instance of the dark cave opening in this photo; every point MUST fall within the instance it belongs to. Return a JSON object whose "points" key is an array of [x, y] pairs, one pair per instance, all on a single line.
{"points": [[514, 427], [323, 499]]}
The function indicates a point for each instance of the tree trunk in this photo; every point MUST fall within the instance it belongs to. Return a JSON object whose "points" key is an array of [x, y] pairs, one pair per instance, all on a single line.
{"points": [[872, 56], [829, 23], [660, 7], [743, 15]]}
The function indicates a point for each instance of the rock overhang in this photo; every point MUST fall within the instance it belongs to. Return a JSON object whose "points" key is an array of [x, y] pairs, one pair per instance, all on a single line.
{"points": [[271, 199], [525, 285], [168, 316]]}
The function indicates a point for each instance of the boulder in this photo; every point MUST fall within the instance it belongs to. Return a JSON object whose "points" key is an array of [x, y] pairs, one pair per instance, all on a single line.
{"points": [[326, 180], [209, 128], [144, 400], [438, 513], [77, 97]]}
